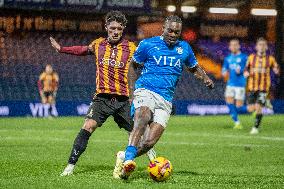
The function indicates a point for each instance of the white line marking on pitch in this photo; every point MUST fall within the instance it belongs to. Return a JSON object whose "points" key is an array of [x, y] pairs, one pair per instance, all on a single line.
{"points": [[122, 141], [227, 136]]}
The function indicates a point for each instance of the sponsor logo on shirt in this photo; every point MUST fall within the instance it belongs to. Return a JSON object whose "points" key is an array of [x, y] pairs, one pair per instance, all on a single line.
{"points": [[112, 62], [179, 50], [168, 60]]}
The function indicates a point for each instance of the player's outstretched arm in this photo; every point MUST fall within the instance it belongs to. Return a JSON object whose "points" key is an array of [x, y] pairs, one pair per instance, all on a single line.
{"points": [[74, 50], [201, 74]]}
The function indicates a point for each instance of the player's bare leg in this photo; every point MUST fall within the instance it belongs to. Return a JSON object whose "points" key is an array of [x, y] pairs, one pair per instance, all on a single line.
{"points": [[251, 108], [258, 118], [50, 101], [239, 103], [121, 155], [80, 145], [151, 152], [45, 101], [155, 132], [141, 119]]}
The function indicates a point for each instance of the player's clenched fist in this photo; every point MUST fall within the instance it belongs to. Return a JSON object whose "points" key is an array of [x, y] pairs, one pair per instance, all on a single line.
{"points": [[246, 74], [54, 44]]}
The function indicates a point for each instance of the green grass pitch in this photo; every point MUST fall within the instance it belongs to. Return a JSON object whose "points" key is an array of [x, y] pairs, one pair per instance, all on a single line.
{"points": [[205, 152]]}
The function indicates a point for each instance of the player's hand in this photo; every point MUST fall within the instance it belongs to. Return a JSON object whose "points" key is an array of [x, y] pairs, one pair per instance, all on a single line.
{"points": [[238, 70], [54, 94], [276, 70], [41, 94], [246, 74], [130, 100], [209, 83], [55, 44]]}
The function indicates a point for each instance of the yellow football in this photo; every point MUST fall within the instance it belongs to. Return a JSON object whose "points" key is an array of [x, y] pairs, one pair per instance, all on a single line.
{"points": [[160, 169]]}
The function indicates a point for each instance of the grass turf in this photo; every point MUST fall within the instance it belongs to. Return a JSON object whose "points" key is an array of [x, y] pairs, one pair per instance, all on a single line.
{"points": [[205, 152]]}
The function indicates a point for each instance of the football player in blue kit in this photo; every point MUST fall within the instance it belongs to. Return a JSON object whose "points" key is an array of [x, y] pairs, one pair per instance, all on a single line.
{"points": [[163, 59], [233, 68]]}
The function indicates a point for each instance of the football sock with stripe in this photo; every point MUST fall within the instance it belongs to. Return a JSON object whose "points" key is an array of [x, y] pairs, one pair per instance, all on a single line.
{"points": [[151, 154], [79, 146], [258, 119], [130, 153], [233, 112]]}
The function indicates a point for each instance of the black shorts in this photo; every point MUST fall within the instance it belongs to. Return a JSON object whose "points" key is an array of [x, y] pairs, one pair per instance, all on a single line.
{"points": [[257, 97], [47, 94], [105, 105]]}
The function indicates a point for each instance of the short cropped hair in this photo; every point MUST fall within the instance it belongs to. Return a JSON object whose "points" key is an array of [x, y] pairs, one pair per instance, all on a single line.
{"points": [[116, 16], [261, 39], [173, 18], [235, 39]]}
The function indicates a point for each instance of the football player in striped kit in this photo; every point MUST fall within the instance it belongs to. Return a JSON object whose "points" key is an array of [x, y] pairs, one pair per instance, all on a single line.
{"points": [[112, 97]]}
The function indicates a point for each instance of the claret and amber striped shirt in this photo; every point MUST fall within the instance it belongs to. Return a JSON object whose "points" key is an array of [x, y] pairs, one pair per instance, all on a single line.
{"points": [[259, 68], [112, 63]]}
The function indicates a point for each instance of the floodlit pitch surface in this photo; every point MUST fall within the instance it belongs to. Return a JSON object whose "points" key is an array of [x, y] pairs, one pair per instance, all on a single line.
{"points": [[205, 152]]}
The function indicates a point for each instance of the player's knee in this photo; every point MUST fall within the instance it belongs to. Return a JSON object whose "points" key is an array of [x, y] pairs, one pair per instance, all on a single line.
{"points": [[230, 100], [238, 105], [143, 114], [50, 100], [251, 108], [44, 100], [258, 108], [90, 125]]}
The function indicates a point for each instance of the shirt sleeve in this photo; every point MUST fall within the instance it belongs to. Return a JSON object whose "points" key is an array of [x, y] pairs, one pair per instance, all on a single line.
{"points": [[132, 48], [56, 77], [92, 45], [244, 61], [225, 66], [140, 54], [191, 60], [273, 62], [41, 77], [249, 59]]}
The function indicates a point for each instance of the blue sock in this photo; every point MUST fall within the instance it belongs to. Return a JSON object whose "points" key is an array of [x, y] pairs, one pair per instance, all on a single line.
{"points": [[130, 153], [242, 109], [233, 112]]}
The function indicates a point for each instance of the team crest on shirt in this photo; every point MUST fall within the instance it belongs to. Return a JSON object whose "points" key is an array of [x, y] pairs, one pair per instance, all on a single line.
{"points": [[239, 60], [179, 50]]}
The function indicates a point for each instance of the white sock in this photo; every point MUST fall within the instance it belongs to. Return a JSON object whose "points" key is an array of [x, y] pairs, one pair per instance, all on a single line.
{"points": [[151, 154]]}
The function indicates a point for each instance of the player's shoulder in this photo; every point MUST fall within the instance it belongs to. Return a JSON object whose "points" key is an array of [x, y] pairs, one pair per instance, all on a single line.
{"points": [[185, 45], [183, 42], [228, 56], [129, 43], [43, 74], [97, 40], [243, 55], [271, 57], [155, 39], [251, 56], [54, 73]]}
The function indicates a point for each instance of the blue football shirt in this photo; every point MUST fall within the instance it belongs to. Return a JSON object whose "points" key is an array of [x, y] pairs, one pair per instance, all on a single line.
{"points": [[231, 63], [163, 65]]}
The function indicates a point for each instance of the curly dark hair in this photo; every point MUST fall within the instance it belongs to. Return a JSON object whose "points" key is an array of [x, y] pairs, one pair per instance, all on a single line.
{"points": [[116, 16]]}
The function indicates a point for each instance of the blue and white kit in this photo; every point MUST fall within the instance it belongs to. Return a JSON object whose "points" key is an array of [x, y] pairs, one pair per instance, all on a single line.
{"points": [[162, 67]]}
